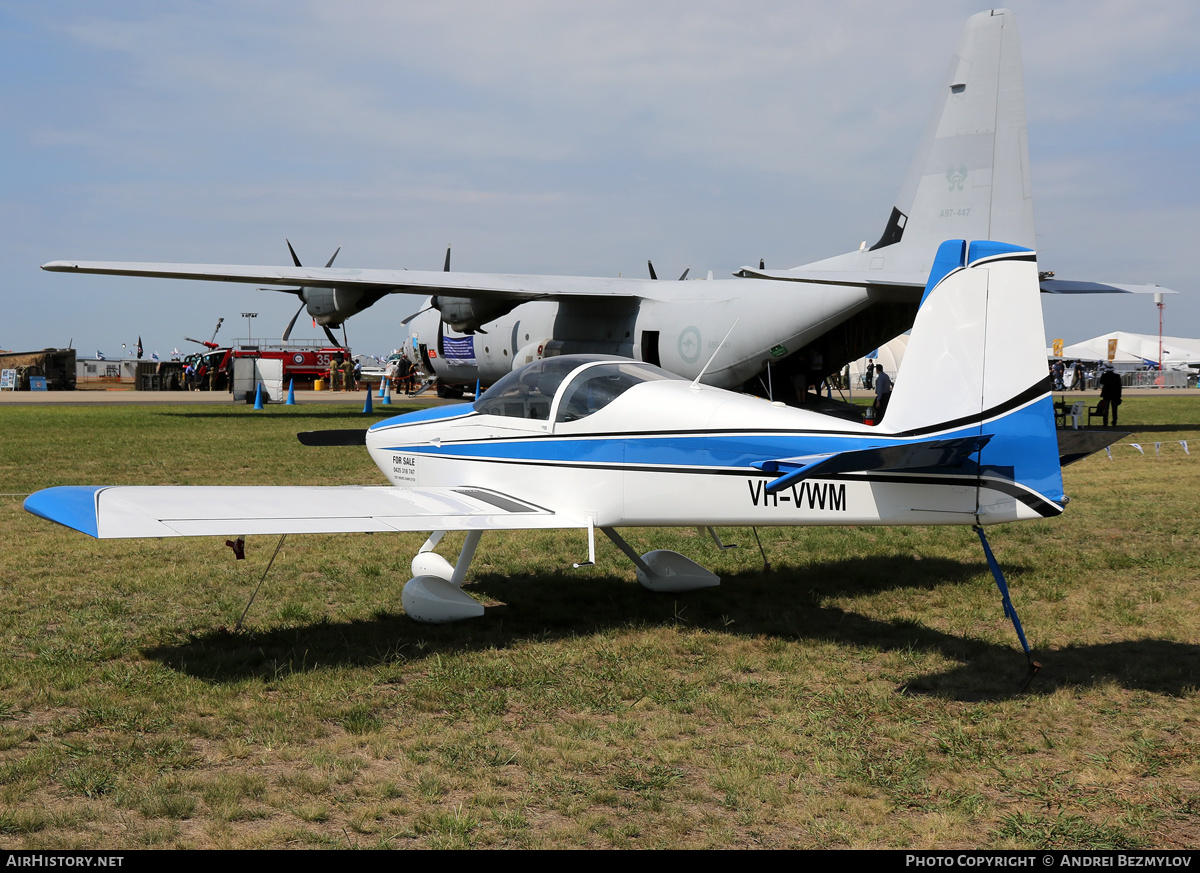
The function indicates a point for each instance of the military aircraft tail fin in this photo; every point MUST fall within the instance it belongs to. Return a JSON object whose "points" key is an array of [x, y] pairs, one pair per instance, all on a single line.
{"points": [[970, 175]]}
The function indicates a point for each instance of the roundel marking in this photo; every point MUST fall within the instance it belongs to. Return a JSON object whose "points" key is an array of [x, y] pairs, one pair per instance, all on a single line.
{"points": [[689, 344]]}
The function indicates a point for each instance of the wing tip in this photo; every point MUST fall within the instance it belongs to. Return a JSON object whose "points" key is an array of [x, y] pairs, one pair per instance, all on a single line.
{"points": [[72, 506]]}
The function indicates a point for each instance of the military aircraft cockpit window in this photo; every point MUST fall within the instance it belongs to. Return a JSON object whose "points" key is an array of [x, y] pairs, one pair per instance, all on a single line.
{"points": [[529, 391], [598, 386]]}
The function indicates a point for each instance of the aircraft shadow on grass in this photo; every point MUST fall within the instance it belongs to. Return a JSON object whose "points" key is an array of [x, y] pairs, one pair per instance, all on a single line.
{"points": [[785, 603]]}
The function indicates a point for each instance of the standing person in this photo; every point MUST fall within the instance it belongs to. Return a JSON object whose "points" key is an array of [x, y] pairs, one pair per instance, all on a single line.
{"points": [[800, 378], [1110, 395], [883, 391], [816, 372], [348, 383], [1078, 383], [869, 376], [335, 371]]}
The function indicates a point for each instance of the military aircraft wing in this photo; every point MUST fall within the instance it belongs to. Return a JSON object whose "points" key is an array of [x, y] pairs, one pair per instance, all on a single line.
{"points": [[423, 282], [901, 280], [175, 510], [860, 278], [1068, 286]]}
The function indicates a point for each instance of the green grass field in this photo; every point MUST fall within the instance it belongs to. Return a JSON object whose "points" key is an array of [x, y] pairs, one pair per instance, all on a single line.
{"points": [[863, 693]]}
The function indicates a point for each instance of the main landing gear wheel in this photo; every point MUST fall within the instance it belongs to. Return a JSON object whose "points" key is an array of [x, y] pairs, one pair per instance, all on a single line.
{"points": [[434, 595], [432, 600]]}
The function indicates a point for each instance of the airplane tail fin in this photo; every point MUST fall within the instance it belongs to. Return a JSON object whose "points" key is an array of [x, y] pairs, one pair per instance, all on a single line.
{"points": [[976, 365], [969, 178]]}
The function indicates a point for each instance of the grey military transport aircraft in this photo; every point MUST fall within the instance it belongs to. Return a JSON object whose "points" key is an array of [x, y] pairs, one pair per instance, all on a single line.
{"points": [[969, 179]]}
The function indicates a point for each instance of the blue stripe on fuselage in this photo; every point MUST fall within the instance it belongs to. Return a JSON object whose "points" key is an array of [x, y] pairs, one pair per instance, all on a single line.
{"points": [[669, 449]]}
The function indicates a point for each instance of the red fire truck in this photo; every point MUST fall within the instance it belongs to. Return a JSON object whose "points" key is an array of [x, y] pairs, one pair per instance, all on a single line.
{"points": [[302, 362]]}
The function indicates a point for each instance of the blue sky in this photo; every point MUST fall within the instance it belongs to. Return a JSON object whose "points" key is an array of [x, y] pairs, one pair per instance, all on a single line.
{"points": [[542, 137]]}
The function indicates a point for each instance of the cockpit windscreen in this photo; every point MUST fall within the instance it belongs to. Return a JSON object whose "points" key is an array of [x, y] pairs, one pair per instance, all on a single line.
{"points": [[529, 392]]}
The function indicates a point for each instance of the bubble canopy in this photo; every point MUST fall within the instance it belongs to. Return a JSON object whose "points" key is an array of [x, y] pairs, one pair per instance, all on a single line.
{"points": [[581, 385]]}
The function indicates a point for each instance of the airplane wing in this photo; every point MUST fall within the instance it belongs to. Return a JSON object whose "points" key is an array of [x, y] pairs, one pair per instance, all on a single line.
{"points": [[883, 279], [1067, 286], [509, 286], [424, 282], [172, 511], [857, 278]]}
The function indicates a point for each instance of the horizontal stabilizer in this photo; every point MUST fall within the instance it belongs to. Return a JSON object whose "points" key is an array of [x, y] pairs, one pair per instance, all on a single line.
{"points": [[925, 455], [1075, 445], [175, 510]]}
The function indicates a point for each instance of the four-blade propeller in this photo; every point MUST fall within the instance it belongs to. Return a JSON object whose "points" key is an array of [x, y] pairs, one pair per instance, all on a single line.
{"points": [[287, 331]]}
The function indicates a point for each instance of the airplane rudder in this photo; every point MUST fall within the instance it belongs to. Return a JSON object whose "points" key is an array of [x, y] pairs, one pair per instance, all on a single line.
{"points": [[1015, 352], [1017, 407]]}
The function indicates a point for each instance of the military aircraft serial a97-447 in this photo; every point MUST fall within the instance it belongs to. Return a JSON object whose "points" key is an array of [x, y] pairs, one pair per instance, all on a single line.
{"points": [[969, 178], [602, 442]]}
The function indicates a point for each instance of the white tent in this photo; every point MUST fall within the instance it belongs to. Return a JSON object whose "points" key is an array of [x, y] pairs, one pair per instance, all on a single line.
{"points": [[889, 354], [1136, 348]]}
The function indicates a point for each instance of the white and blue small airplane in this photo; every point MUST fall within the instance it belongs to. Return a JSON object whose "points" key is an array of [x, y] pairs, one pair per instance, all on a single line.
{"points": [[599, 442]]}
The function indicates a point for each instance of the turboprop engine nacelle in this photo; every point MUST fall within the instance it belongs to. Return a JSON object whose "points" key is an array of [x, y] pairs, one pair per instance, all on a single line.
{"points": [[467, 314], [332, 306]]}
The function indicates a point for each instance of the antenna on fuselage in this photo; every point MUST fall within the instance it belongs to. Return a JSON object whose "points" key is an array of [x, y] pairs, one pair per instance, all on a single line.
{"points": [[720, 345]]}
